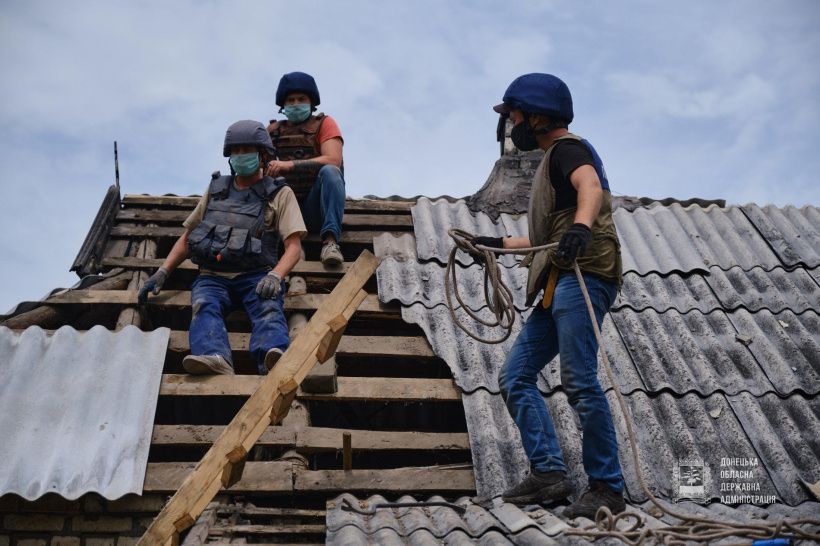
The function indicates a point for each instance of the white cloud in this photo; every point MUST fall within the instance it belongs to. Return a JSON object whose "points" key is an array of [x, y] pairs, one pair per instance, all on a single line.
{"points": [[695, 99]]}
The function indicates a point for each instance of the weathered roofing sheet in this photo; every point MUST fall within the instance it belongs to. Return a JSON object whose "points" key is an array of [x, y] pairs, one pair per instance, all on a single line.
{"points": [[757, 289], [77, 409], [659, 239], [669, 429], [499, 523], [793, 233]]}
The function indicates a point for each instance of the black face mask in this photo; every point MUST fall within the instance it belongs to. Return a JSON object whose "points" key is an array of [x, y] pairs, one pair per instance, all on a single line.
{"points": [[523, 136]]}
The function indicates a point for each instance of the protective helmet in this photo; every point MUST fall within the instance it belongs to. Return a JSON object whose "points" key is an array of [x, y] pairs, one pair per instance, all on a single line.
{"points": [[297, 82], [247, 132], [538, 94]]}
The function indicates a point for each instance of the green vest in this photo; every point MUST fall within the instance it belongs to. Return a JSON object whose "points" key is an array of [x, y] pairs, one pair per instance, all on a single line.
{"points": [[603, 253]]}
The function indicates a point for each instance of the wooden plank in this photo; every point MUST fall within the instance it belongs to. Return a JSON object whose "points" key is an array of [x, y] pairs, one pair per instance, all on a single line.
{"points": [[305, 268], [317, 439], [278, 529], [350, 388], [269, 476], [365, 346], [348, 220], [427, 479], [351, 205], [354, 237], [277, 477], [182, 299], [252, 419]]}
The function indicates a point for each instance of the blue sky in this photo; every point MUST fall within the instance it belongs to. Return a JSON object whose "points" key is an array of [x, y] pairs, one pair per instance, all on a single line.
{"points": [[682, 99]]}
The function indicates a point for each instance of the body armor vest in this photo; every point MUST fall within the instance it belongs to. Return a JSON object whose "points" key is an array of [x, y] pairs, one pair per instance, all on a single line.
{"points": [[298, 142], [603, 253], [232, 235]]}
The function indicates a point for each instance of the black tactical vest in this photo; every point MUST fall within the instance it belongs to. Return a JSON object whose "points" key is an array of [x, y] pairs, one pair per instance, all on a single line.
{"points": [[232, 235]]}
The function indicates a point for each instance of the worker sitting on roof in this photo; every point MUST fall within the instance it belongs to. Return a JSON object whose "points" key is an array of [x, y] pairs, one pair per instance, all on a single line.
{"points": [[233, 234], [570, 204], [309, 149]]}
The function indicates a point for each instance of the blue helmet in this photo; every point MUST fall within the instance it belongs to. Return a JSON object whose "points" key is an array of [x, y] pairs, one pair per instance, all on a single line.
{"points": [[247, 132], [297, 82], [538, 94]]}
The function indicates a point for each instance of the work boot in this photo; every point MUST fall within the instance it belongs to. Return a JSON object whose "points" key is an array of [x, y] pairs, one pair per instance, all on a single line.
{"points": [[331, 254], [272, 357], [598, 494], [207, 364], [539, 487]]}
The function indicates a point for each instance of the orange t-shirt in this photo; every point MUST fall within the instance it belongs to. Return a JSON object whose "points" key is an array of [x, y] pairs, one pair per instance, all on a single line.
{"points": [[329, 129]]}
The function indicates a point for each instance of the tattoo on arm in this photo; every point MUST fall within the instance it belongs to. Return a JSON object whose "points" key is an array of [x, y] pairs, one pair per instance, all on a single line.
{"points": [[305, 165]]}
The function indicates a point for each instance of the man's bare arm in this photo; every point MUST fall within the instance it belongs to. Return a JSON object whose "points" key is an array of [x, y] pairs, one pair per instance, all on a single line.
{"points": [[590, 194], [291, 256]]}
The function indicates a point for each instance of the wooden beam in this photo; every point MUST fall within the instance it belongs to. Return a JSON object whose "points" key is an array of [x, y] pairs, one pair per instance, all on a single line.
{"points": [[182, 299], [305, 268], [350, 388], [426, 479], [354, 237], [351, 205], [348, 220], [278, 477], [317, 439], [201, 485], [386, 346]]}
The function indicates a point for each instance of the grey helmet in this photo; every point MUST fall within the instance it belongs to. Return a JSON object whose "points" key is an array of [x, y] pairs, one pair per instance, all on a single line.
{"points": [[247, 132]]}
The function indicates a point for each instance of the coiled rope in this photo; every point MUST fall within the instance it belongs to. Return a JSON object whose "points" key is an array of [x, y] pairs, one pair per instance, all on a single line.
{"points": [[692, 528]]}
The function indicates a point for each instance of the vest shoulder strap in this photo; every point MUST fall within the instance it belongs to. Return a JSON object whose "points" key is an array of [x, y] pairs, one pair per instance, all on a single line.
{"points": [[311, 126], [268, 187], [220, 186]]}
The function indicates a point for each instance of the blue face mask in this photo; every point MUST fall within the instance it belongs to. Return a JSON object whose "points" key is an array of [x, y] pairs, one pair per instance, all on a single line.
{"points": [[245, 164], [297, 113]]}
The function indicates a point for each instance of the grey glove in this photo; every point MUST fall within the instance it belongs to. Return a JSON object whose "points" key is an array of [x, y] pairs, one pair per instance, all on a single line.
{"points": [[153, 284], [270, 286]]}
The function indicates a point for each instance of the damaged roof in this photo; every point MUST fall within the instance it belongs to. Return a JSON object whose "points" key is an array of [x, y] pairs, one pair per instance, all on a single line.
{"points": [[714, 341]]}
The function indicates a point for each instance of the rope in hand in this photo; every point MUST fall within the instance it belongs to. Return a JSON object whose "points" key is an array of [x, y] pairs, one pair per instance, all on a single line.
{"points": [[692, 528]]}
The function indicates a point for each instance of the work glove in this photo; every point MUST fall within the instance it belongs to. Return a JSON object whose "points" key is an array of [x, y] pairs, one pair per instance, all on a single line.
{"points": [[573, 243], [269, 286], [153, 284], [492, 242]]}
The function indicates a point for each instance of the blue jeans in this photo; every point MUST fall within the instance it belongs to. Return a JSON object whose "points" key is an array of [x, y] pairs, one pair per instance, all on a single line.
{"points": [[324, 206], [212, 298], [564, 328]]}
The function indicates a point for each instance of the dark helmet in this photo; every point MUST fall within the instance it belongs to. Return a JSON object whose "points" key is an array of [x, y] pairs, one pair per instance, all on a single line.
{"points": [[247, 132], [297, 82], [538, 94]]}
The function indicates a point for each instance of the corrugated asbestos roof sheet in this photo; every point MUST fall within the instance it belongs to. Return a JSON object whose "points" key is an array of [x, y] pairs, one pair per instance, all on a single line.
{"points": [[659, 239], [87, 401], [781, 433], [714, 338], [793, 233], [499, 523]]}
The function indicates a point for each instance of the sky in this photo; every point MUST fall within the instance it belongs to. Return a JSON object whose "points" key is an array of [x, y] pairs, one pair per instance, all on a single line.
{"points": [[681, 99]]}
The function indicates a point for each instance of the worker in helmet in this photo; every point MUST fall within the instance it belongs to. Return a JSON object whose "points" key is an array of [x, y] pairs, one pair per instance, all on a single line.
{"points": [[570, 205], [233, 234], [309, 149]]}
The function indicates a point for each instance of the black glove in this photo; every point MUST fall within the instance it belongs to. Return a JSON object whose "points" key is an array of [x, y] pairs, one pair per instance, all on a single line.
{"points": [[153, 284], [269, 286], [492, 242], [574, 242]]}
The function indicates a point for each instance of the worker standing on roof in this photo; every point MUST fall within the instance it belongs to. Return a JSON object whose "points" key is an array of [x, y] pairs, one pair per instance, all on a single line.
{"points": [[570, 204], [309, 149], [233, 234]]}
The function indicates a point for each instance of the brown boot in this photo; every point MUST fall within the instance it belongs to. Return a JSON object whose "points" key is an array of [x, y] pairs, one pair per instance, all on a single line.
{"points": [[598, 495], [539, 487]]}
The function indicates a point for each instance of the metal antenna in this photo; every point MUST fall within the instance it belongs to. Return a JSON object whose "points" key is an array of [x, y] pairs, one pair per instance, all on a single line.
{"points": [[116, 166]]}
